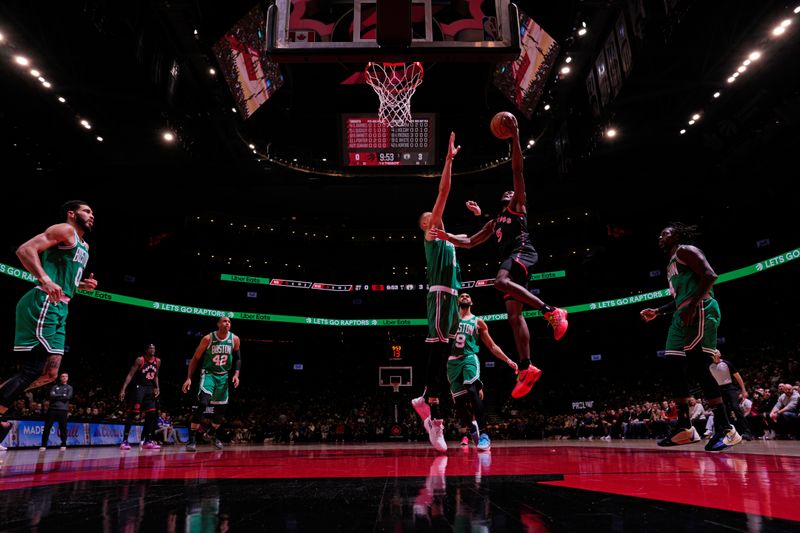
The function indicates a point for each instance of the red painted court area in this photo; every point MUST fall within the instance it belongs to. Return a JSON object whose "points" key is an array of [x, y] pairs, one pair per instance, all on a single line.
{"points": [[751, 483]]}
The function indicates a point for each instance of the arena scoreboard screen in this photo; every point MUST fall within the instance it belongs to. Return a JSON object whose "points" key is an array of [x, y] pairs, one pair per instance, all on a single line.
{"points": [[366, 141]]}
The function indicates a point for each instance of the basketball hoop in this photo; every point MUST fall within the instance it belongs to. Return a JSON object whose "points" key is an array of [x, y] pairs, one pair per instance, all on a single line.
{"points": [[394, 83], [396, 382]]}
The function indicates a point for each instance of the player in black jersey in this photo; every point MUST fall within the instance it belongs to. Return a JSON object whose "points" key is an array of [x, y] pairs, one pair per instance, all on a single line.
{"points": [[144, 374], [510, 231]]}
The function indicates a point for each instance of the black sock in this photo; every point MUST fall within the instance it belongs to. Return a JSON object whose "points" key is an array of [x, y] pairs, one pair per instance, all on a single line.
{"points": [[192, 434], [683, 416], [721, 421], [435, 412], [547, 309], [523, 364]]}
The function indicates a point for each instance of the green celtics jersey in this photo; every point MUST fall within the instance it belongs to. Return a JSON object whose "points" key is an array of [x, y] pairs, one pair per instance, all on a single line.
{"points": [[219, 353], [466, 342], [65, 264], [443, 269], [683, 281]]}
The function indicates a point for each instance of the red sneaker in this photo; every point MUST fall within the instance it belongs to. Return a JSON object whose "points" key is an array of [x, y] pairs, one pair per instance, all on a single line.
{"points": [[525, 381], [557, 318]]}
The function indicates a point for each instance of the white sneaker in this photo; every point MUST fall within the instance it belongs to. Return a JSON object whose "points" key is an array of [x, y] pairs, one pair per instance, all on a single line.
{"points": [[436, 435], [42, 449], [3, 448], [421, 407], [732, 437], [427, 425]]}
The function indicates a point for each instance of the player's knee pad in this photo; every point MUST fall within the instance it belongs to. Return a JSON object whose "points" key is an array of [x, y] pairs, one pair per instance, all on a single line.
{"points": [[474, 394], [33, 364], [699, 362], [462, 409], [219, 413], [676, 377], [202, 404]]}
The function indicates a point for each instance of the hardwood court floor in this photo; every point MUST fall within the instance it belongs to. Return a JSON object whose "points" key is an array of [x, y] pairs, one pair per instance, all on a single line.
{"points": [[525, 486]]}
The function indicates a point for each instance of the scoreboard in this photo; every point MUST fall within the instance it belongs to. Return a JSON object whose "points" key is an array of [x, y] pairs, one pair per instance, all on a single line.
{"points": [[367, 141]]}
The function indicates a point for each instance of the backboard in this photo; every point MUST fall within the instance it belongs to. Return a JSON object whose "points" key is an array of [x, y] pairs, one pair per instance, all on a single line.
{"points": [[318, 31], [395, 376]]}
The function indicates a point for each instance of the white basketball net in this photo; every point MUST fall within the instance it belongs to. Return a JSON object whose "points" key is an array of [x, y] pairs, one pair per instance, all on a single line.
{"points": [[394, 83]]}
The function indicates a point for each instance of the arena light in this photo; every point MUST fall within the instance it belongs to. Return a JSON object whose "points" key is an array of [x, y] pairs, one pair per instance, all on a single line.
{"points": [[696, 116], [582, 32], [547, 107], [565, 70], [778, 31], [22, 61], [611, 133], [796, 10], [99, 139], [731, 79], [85, 124], [2, 38], [47, 84], [691, 122], [754, 56], [568, 59], [62, 99], [741, 69], [212, 72], [746, 62], [252, 146], [35, 73], [716, 94], [169, 137], [683, 131]]}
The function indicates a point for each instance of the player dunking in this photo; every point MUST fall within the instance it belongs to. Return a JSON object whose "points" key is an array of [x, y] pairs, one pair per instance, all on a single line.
{"points": [[443, 276], [510, 231], [144, 373], [219, 351], [57, 259]]}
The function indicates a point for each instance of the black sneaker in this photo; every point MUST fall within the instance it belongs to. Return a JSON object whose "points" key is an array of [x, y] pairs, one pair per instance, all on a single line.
{"points": [[680, 436], [191, 446]]}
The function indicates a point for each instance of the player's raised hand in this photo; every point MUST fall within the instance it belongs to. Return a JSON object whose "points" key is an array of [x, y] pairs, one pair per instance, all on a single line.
{"points": [[452, 150]]}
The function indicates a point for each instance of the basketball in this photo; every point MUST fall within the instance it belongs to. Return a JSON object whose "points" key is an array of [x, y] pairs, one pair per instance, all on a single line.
{"points": [[501, 124]]}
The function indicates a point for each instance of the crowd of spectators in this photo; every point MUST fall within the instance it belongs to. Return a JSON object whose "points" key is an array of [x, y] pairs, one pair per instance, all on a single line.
{"points": [[633, 409]]}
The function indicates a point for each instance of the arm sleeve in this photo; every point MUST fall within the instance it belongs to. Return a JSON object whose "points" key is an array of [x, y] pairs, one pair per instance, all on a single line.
{"points": [[666, 308], [237, 360]]}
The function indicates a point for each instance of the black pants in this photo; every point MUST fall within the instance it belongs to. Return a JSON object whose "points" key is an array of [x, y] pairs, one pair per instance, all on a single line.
{"points": [[61, 418], [730, 396]]}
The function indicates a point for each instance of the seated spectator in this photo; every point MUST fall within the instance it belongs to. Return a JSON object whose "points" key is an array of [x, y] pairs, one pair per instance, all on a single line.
{"points": [[784, 413], [166, 432]]}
